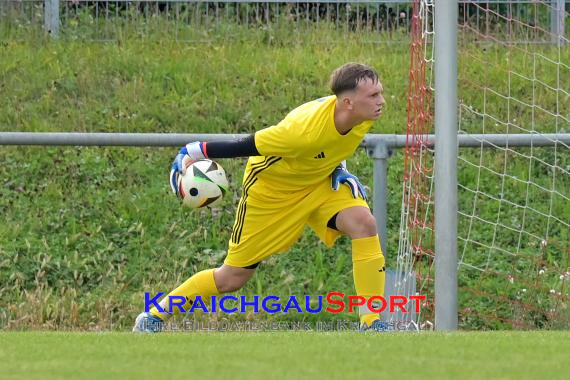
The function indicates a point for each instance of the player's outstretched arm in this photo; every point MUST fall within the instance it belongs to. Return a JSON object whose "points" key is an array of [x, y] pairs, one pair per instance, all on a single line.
{"points": [[198, 150], [341, 175]]}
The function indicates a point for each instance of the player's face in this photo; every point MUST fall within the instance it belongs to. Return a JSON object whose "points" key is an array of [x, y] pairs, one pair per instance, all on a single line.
{"points": [[368, 100]]}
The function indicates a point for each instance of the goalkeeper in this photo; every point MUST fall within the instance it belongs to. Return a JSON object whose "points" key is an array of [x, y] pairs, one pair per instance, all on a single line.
{"points": [[293, 177]]}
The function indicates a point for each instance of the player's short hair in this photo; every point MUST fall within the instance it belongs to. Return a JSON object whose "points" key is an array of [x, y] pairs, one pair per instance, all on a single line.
{"points": [[347, 77]]}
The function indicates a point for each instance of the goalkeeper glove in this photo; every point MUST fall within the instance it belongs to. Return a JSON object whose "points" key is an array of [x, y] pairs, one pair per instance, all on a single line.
{"points": [[187, 155], [341, 175]]}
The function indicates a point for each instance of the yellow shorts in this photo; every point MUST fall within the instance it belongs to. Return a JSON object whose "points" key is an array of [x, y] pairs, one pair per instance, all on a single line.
{"points": [[268, 223]]}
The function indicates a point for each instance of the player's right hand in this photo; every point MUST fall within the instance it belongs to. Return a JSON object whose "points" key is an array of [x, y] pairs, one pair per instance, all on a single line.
{"points": [[187, 155]]}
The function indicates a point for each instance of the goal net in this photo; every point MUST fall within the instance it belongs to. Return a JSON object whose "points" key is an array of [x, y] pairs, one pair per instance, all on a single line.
{"points": [[514, 202]]}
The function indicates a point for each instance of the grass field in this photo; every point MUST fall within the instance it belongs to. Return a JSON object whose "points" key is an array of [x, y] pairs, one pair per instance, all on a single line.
{"points": [[285, 355]]}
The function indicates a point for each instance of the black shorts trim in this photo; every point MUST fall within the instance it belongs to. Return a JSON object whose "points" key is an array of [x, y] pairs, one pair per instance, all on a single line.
{"points": [[332, 222], [252, 266]]}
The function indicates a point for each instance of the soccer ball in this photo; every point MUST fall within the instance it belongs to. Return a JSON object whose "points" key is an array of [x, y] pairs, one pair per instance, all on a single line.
{"points": [[203, 184]]}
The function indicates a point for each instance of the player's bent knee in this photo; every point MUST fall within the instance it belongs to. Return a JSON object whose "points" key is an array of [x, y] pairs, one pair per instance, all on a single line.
{"points": [[357, 222], [230, 279], [230, 287], [364, 225], [227, 285], [369, 225]]}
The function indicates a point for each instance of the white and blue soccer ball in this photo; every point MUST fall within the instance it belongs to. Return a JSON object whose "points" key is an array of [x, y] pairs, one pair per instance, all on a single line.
{"points": [[204, 184]]}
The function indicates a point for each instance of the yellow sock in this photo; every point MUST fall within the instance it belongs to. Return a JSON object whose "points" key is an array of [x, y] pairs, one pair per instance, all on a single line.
{"points": [[369, 273], [202, 284], [368, 319]]}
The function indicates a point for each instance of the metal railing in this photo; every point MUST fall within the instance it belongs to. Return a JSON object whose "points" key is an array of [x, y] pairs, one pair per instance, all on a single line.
{"points": [[379, 148]]}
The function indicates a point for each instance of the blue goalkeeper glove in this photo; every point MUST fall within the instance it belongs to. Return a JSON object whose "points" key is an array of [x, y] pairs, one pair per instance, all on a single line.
{"points": [[341, 175], [187, 155]]}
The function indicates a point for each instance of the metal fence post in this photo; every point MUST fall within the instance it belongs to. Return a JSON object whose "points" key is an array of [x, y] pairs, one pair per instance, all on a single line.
{"points": [[446, 206], [51, 17], [380, 154], [557, 21]]}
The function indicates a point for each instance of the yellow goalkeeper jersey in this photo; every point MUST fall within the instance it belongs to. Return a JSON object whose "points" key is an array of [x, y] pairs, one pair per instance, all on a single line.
{"points": [[302, 150]]}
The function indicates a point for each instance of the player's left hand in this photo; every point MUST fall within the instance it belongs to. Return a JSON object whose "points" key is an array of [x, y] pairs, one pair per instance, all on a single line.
{"points": [[341, 175]]}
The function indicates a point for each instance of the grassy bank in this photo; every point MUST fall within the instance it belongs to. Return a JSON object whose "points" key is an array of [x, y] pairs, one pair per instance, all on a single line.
{"points": [[86, 231]]}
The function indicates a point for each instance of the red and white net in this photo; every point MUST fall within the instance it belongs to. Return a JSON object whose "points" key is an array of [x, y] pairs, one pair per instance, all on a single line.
{"points": [[514, 202]]}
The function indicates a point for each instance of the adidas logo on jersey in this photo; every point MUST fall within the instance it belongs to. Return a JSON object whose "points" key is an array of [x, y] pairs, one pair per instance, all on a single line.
{"points": [[320, 155]]}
